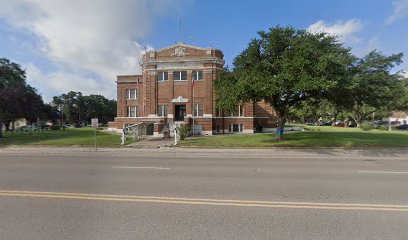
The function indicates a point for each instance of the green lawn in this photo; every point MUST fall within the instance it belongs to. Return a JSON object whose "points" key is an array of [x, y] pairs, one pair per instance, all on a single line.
{"points": [[312, 137], [70, 137]]}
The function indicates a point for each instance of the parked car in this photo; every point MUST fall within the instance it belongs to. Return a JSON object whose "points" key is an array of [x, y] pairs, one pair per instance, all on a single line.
{"points": [[340, 124], [309, 123], [395, 123], [67, 126], [326, 123], [402, 127], [27, 128], [380, 122]]}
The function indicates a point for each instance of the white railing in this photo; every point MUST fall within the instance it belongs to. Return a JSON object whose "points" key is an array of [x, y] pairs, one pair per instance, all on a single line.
{"points": [[137, 131]]}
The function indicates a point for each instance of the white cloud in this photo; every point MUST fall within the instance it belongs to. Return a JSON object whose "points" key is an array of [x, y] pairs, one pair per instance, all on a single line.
{"points": [[62, 81], [400, 11], [346, 31], [81, 38]]}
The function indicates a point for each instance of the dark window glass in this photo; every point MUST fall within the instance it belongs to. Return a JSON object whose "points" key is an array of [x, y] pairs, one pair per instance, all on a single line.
{"points": [[162, 76], [197, 75], [179, 75]]}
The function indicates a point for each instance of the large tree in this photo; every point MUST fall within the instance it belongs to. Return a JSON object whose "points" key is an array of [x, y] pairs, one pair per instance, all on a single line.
{"points": [[17, 98], [374, 87], [79, 109], [97, 106], [286, 66], [71, 106]]}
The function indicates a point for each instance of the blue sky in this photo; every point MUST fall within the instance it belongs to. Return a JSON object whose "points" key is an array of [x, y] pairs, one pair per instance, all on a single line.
{"points": [[83, 45]]}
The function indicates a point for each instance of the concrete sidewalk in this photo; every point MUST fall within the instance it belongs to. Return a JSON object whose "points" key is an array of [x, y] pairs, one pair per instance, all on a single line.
{"points": [[152, 142], [159, 147]]}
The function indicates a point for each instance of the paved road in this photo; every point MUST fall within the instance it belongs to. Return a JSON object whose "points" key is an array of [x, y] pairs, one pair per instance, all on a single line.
{"points": [[56, 193]]}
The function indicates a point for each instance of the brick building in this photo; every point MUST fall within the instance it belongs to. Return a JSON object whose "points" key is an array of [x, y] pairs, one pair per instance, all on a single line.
{"points": [[176, 85]]}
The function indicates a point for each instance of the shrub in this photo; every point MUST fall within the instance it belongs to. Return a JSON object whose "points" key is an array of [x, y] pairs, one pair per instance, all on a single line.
{"points": [[383, 127], [367, 126], [183, 130]]}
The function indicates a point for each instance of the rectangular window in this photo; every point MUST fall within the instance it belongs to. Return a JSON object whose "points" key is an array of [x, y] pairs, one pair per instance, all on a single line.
{"points": [[132, 111], [198, 110], [180, 75], [197, 75], [162, 110], [236, 127], [132, 93], [162, 76], [238, 111]]}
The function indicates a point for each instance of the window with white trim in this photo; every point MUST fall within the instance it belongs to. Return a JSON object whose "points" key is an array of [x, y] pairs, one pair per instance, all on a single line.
{"points": [[198, 110], [238, 111], [236, 127], [197, 75], [180, 75], [132, 93], [132, 111], [162, 76], [162, 110]]}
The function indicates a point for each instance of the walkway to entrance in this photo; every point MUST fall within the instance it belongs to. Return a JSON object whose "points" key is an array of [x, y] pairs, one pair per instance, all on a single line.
{"points": [[152, 142]]}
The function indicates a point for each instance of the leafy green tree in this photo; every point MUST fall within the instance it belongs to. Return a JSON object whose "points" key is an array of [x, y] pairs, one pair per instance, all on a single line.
{"points": [[100, 107], [78, 109], [286, 66], [226, 89], [313, 110], [17, 98], [402, 104], [374, 87], [71, 106]]}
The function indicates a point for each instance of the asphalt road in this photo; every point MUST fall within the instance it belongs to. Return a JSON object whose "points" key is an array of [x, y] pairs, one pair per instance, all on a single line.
{"points": [[53, 193]]}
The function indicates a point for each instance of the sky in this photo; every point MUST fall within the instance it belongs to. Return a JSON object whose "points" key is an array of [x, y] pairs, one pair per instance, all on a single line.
{"points": [[83, 45]]}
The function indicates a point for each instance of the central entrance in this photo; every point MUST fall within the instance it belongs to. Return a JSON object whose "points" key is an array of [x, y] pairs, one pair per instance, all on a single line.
{"points": [[180, 112]]}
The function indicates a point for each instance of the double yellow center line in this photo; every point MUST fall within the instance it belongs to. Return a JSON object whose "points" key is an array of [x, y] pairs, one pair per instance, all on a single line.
{"points": [[204, 201]]}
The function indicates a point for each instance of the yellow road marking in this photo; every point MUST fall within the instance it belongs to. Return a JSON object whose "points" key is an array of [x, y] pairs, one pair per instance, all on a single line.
{"points": [[199, 201]]}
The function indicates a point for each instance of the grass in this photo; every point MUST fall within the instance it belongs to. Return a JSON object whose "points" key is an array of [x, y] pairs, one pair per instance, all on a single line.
{"points": [[313, 137], [83, 137]]}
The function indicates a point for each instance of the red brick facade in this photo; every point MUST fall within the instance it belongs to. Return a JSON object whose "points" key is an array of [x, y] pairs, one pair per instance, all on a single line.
{"points": [[164, 93]]}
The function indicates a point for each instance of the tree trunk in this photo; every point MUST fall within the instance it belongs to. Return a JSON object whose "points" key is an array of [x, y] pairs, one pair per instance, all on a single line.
{"points": [[7, 125], [13, 126], [282, 115], [334, 118], [1, 128], [359, 121]]}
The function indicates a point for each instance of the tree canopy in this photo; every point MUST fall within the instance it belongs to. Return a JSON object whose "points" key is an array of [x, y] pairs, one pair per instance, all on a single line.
{"points": [[373, 87], [17, 98], [285, 67], [79, 109]]}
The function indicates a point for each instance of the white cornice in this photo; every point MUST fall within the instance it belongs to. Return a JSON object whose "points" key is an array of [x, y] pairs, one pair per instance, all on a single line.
{"points": [[183, 45], [203, 60]]}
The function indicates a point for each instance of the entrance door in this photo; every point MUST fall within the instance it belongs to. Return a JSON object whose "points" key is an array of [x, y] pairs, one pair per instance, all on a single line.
{"points": [[180, 111], [149, 129]]}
